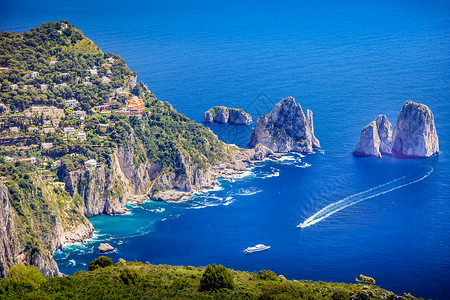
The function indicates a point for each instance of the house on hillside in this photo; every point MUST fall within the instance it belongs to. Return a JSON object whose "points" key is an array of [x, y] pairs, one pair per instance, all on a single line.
{"points": [[79, 114], [135, 105], [46, 146], [14, 129], [81, 136], [93, 71], [32, 75], [47, 130], [91, 163], [71, 103], [102, 108], [69, 130]]}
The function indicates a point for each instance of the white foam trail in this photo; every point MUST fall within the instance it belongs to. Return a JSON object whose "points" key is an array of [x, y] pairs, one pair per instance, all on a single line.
{"points": [[305, 165], [229, 200], [356, 198]]}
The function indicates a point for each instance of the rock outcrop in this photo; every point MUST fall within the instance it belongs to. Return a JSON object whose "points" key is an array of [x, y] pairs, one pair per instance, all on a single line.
{"points": [[225, 115], [174, 187], [105, 248], [375, 139], [415, 132], [286, 129]]}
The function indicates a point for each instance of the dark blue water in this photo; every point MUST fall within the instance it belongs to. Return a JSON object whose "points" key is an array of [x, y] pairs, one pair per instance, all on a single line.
{"points": [[347, 61]]}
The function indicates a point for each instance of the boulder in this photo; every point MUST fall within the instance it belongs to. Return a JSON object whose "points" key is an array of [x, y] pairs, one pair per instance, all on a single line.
{"points": [[226, 115], [285, 129], [105, 248], [415, 132], [375, 139]]}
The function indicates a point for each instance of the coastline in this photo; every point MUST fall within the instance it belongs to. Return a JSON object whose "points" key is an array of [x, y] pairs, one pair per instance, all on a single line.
{"points": [[237, 166]]}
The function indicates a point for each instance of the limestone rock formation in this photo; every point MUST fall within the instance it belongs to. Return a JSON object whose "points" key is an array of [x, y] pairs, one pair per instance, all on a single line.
{"points": [[385, 133], [376, 138], [105, 248], [415, 132], [11, 250], [369, 142], [224, 115], [286, 129]]}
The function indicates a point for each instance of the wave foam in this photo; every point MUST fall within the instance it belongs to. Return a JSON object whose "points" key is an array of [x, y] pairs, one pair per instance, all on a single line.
{"points": [[370, 193]]}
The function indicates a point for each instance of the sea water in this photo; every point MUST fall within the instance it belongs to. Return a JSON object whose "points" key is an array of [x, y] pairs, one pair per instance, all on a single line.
{"points": [[327, 216]]}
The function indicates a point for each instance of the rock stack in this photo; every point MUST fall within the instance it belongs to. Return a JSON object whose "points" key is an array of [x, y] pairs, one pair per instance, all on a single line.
{"points": [[286, 129], [414, 134], [226, 115]]}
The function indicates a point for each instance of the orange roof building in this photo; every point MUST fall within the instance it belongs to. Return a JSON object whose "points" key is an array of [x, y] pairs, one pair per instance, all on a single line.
{"points": [[135, 105]]}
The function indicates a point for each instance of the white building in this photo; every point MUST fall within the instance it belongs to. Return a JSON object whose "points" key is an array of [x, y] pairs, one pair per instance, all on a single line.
{"points": [[92, 163], [71, 103]]}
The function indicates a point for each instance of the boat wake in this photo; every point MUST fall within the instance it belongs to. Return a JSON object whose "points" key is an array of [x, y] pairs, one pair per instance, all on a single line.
{"points": [[370, 193]]}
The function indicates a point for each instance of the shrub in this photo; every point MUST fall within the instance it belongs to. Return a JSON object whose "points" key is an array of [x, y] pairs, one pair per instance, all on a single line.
{"points": [[21, 280], [216, 277], [340, 294], [365, 279], [130, 275], [100, 262], [267, 275]]}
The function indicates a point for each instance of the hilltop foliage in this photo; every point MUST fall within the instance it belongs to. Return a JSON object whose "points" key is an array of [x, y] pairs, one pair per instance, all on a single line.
{"points": [[134, 280]]}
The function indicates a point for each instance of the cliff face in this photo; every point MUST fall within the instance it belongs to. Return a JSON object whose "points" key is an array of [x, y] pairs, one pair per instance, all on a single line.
{"points": [[415, 132], [286, 129], [173, 186], [12, 245], [376, 138], [8, 238], [223, 115]]}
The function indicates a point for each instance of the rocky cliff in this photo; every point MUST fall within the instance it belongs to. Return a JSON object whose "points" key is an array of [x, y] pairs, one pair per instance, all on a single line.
{"points": [[223, 115], [173, 186], [16, 248], [286, 129], [375, 139], [415, 132]]}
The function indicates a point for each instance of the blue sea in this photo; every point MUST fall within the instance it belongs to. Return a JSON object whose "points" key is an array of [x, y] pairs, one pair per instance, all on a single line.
{"points": [[348, 61]]}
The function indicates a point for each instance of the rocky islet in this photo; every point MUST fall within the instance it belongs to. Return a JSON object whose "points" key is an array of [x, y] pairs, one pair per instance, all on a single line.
{"points": [[414, 134]]}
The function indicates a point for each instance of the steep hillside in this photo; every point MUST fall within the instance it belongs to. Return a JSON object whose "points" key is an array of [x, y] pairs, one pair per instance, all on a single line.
{"points": [[79, 137]]}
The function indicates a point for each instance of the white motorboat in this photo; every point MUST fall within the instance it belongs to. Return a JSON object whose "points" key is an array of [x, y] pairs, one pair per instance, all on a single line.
{"points": [[259, 247]]}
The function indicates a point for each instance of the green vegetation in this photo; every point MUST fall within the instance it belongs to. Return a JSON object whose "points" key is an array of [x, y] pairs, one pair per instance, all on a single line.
{"points": [[135, 280], [216, 278], [54, 63], [100, 262]]}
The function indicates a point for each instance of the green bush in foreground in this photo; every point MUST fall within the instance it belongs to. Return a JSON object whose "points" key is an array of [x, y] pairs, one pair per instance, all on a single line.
{"points": [[136, 280], [216, 277], [100, 262]]}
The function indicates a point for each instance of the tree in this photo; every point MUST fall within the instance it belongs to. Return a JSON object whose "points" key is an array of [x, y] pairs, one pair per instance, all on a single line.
{"points": [[216, 277], [22, 279], [100, 262], [365, 279]]}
